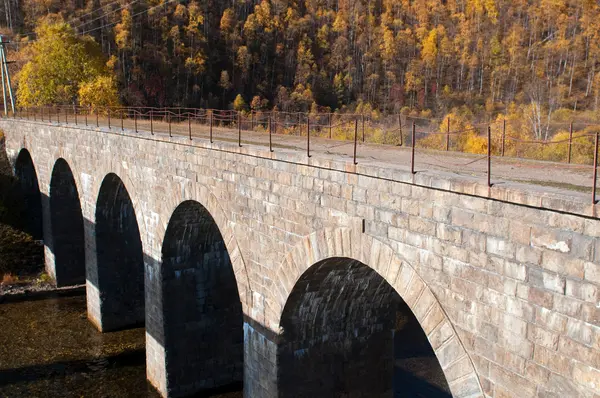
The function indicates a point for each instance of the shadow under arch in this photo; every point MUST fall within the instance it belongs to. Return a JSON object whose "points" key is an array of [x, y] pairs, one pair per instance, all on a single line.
{"points": [[66, 221], [120, 257], [30, 188], [357, 294], [201, 308]]}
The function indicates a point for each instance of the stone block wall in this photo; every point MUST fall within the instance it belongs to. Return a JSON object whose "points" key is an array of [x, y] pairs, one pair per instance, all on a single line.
{"points": [[504, 281]]}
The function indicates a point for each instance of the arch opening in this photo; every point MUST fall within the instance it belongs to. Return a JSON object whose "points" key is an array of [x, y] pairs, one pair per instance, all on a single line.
{"points": [[66, 219], [202, 309], [120, 257], [32, 198], [346, 332]]}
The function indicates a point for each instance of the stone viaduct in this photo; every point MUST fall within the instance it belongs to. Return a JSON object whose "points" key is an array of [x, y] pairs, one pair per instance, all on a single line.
{"points": [[315, 277]]}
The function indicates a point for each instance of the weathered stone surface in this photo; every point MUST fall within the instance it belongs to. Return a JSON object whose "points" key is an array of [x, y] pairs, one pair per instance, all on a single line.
{"points": [[507, 282]]}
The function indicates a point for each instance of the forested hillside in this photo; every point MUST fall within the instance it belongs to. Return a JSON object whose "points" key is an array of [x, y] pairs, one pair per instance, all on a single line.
{"points": [[299, 55]]}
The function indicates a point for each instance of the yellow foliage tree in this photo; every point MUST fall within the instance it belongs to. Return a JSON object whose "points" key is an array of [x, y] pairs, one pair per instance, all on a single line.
{"points": [[98, 93], [239, 104], [60, 62]]}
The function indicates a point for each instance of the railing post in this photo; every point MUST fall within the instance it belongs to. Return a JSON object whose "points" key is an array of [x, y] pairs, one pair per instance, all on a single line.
{"points": [[489, 156], [308, 135], [86, 118], [252, 123], [121, 114], [169, 122], [240, 128], [270, 135], [570, 142], [34, 117], [67, 115], [57, 115], [151, 124], [503, 136], [414, 144], [135, 120], [190, 125], [448, 135], [330, 135], [595, 169], [76, 116], [211, 126], [42, 116], [108, 113], [355, 138], [400, 129]]}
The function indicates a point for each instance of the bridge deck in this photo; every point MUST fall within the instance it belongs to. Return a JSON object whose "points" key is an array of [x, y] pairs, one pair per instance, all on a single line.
{"points": [[569, 181]]}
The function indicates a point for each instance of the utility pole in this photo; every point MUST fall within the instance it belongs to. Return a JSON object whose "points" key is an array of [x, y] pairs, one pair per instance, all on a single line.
{"points": [[6, 84]]}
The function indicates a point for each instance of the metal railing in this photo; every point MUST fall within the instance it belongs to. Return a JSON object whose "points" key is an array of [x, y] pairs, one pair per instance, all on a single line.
{"points": [[394, 130]]}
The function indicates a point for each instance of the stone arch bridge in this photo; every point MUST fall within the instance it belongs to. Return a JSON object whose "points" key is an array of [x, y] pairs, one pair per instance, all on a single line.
{"points": [[315, 277]]}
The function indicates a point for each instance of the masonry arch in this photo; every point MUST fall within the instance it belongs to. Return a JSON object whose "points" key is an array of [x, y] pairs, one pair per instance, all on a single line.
{"points": [[202, 310], [66, 220], [28, 179], [357, 312], [120, 257]]}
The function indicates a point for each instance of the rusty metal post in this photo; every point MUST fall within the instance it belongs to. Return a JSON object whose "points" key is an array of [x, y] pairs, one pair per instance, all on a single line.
{"points": [[489, 156], [169, 122], [151, 124], [414, 144], [108, 113], [211, 126], [86, 118], [400, 129], [595, 169], [330, 135], [448, 135], [240, 129], [135, 120], [355, 138], [190, 125], [503, 136], [97, 116], [308, 135], [57, 115], [270, 135], [76, 116], [570, 142], [121, 114], [66, 115]]}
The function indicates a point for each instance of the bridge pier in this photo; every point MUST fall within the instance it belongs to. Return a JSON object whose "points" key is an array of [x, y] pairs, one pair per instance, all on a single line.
{"points": [[260, 361], [64, 235], [115, 260], [194, 320]]}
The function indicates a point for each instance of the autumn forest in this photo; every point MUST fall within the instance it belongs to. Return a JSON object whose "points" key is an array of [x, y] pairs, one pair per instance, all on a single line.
{"points": [[537, 60]]}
